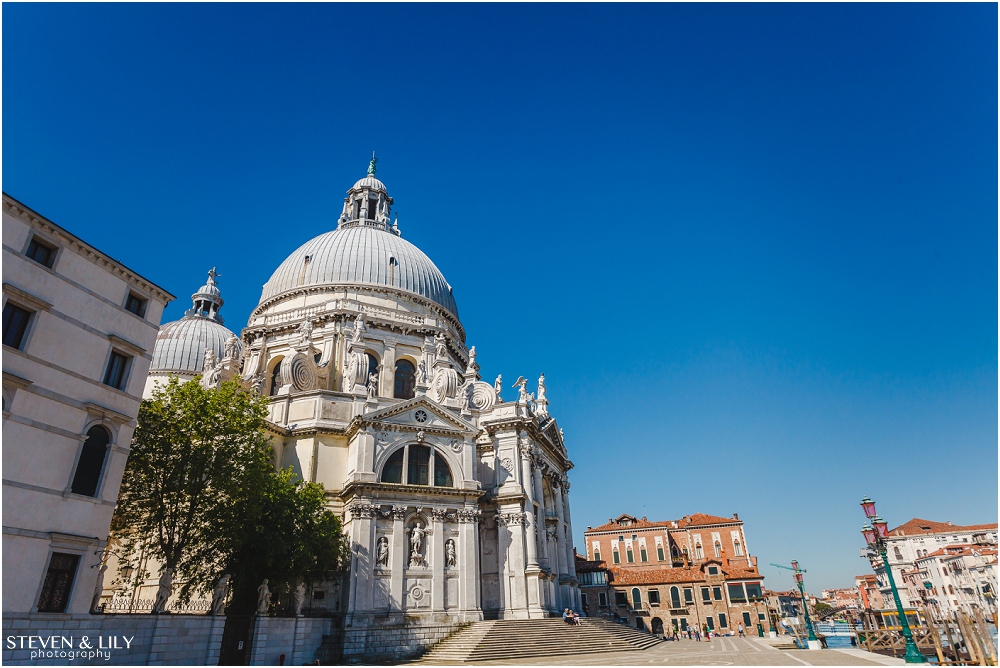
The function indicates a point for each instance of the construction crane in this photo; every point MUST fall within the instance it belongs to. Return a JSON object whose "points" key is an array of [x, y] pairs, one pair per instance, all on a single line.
{"points": [[797, 576]]}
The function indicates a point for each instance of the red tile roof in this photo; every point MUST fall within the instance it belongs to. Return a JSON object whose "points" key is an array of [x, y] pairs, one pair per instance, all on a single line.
{"points": [[919, 527], [665, 574], [695, 520]]}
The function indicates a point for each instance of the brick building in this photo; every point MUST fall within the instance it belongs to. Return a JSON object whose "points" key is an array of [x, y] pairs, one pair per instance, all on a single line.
{"points": [[692, 572]]}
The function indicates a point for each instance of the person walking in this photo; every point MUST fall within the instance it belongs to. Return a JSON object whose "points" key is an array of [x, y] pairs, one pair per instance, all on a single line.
{"points": [[742, 631]]}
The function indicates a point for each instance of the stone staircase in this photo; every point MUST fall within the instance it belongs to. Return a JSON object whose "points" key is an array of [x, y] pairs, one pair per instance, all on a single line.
{"points": [[524, 639]]}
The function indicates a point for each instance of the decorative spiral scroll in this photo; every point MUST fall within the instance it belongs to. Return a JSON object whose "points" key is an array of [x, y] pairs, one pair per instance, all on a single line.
{"points": [[483, 396], [445, 384], [299, 372]]}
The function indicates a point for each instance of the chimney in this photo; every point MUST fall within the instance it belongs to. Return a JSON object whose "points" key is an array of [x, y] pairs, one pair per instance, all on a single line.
{"points": [[611, 520], [589, 528], [736, 516]]}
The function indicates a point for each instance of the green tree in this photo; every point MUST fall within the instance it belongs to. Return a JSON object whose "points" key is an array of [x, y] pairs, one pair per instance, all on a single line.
{"points": [[201, 494], [286, 532]]}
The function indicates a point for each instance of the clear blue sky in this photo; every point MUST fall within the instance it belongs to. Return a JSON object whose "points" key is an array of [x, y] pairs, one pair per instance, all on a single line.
{"points": [[752, 247]]}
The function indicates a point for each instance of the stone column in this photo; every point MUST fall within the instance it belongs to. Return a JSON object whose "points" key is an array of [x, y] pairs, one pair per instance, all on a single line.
{"points": [[560, 531], [387, 372], [362, 543], [468, 588], [570, 560], [397, 558], [435, 552], [543, 552], [530, 539]]}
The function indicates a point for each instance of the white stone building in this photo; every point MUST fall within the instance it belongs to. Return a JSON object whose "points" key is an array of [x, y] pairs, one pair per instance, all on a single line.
{"points": [[455, 501], [78, 331], [955, 578], [919, 538]]}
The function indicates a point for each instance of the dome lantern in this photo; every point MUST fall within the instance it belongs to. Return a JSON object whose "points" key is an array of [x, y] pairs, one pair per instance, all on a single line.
{"points": [[207, 301], [368, 204]]}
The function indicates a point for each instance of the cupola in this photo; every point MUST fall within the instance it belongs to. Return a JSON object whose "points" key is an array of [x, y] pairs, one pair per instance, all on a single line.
{"points": [[368, 204], [207, 300]]}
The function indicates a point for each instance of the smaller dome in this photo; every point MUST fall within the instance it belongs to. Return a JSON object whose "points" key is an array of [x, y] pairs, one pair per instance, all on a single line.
{"points": [[369, 182], [180, 345]]}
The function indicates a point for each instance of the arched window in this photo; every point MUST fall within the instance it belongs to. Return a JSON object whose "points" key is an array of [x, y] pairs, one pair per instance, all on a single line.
{"points": [[737, 548], [88, 469], [951, 589], [636, 598], [673, 552], [421, 466], [405, 380], [698, 552], [896, 553], [675, 597], [372, 369], [275, 379], [718, 549], [393, 469]]}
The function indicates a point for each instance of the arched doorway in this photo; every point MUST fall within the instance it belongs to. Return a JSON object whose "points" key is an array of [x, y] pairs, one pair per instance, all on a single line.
{"points": [[657, 625]]}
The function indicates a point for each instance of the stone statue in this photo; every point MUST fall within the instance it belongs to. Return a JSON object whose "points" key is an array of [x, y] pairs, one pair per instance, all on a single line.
{"points": [[232, 346], [263, 598], [219, 595], [305, 333], [95, 603], [164, 591], [212, 275], [440, 349], [209, 362], [417, 544], [522, 391], [472, 360], [372, 385], [421, 373], [382, 552], [498, 385], [300, 598], [359, 328], [257, 383], [449, 552], [371, 165], [541, 388]]}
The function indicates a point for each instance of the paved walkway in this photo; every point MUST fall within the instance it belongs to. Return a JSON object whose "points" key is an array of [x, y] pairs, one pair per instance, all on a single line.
{"points": [[718, 652]]}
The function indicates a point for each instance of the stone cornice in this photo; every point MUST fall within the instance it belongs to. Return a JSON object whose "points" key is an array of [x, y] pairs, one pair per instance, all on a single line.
{"points": [[410, 491], [18, 210], [26, 297], [319, 288]]}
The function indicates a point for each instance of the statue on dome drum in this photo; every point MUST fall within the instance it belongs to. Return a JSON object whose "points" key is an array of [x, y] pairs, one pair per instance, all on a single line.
{"points": [[498, 385], [440, 349], [232, 346], [541, 388], [421, 373], [359, 328], [305, 333]]}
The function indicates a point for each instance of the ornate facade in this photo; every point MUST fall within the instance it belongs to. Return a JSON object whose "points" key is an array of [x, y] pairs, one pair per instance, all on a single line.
{"points": [[455, 500]]}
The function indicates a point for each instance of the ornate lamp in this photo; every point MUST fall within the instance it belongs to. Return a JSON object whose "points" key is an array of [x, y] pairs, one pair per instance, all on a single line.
{"points": [[126, 572], [869, 533], [881, 527], [868, 506]]}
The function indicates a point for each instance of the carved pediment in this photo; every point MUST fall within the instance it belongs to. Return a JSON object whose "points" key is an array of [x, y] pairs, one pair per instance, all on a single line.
{"points": [[423, 414]]}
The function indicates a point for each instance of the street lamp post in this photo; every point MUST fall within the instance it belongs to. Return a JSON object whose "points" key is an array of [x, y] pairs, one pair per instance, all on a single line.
{"points": [[797, 575], [875, 535]]}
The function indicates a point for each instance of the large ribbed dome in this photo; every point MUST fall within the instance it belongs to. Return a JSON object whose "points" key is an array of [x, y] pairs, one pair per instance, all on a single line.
{"points": [[180, 345], [359, 256]]}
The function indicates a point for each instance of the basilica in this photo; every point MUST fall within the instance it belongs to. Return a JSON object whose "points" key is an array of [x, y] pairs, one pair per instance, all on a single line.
{"points": [[454, 498]]}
